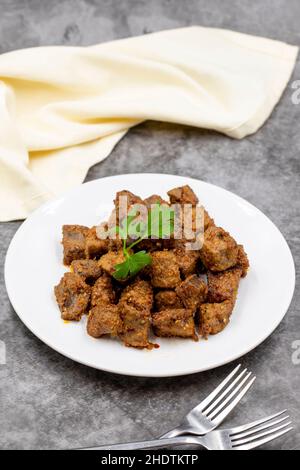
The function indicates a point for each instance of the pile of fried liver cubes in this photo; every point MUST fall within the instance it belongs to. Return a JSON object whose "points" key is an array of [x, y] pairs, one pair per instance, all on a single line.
{"points": [[180, 293]]}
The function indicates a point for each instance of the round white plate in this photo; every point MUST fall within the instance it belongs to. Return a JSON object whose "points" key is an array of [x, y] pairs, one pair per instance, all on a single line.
{"points": [[34, 265]]}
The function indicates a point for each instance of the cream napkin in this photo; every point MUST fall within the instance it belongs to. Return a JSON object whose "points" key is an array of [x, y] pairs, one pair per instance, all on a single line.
{"points": [[62, 109]]}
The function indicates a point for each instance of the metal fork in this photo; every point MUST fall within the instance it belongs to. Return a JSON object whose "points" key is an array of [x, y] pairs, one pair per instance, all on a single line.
{"points": [[212, 411], [245, 437]]}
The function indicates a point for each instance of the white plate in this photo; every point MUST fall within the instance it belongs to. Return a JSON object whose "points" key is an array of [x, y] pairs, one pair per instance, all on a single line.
{"points": [[34, 265]]}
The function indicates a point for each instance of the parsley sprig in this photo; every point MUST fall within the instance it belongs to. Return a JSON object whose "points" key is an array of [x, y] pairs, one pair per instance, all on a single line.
{"points": [[159, 224]]}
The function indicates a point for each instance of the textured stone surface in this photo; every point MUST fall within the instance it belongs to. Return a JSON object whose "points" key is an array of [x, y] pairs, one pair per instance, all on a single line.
{"points": [[48, 401]]}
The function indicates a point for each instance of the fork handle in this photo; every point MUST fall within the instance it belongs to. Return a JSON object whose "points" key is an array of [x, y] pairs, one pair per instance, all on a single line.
{"points": [[176, 432], [152, 444]]}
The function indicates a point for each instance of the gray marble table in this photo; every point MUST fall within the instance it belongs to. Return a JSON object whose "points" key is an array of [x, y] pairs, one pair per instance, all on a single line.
{"points": [[48, 401]]}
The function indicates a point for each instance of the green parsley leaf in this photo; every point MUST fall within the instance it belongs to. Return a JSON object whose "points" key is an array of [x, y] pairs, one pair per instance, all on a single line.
{"points": [[159, 224], [121, 271], [138, 261], [132, 265]]}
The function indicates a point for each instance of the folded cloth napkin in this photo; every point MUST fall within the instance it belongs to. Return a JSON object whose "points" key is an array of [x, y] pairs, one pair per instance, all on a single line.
{"points": [[62, 109]]}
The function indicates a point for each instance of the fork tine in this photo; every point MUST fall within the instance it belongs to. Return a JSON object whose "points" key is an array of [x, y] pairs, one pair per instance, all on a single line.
{"points": [[239, 429], [218, 418], [215, 411], [260, 435], [223, 395], [267, 425], [205, 403], [263, 441]]}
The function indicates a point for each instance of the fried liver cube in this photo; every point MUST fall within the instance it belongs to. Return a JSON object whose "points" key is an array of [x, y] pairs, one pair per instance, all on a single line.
{"points": [[213, 318], [74, 237], [135, 304], [224, 285], [200, 213], [115, 244], [131, 200], [199, 219], [187, 259], [72, 296], [103, 292], [154, 244], [208, 221], [139, 295], [192, 292], [154, 199], [183, 195], [219, 251], [150, 245], [95, 247], [104, 320], [164, 270], [174, 322], [88, 269], [242, 261], [135, 327], [108, 261], [190, 225], [167, 299]]}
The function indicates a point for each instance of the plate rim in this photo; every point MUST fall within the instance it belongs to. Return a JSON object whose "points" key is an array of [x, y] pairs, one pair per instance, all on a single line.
{"points": [[234, 357]]}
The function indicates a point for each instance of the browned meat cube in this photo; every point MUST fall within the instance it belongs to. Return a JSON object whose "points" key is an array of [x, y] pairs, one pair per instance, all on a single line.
{"points": [[145, 273], [73, 241], [213, 318], [134, 306], [219, 251], [115, 244], [138, 295], [242, 261], [87, 268], [131, 200], [103, 292], [192, 226], [95, 247], [154, 199], [166, 243], [200, 219], [154, 243], [183, 195], [151, 245], [104, 321], [164, 270], [108, 261], [208, 221], [112, 220], [167, 299], [135, 326], [175, 322], [224, 286], [73, 296], [192, 292], [186, 259]]}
